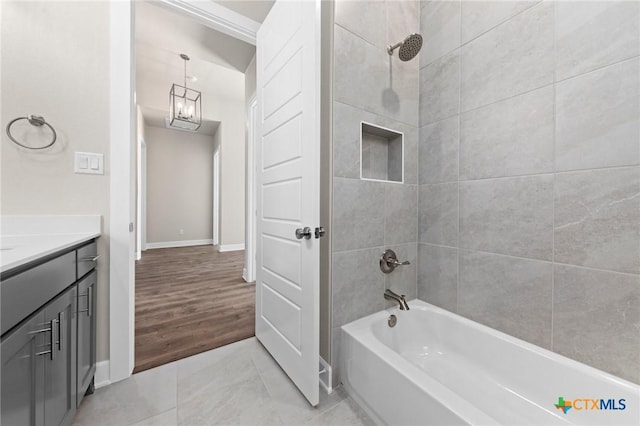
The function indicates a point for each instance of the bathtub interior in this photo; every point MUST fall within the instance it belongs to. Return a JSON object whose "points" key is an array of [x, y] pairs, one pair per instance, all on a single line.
{"points": [[511, 380]]}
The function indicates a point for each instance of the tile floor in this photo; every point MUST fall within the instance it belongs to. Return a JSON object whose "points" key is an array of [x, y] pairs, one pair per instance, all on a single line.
{"points": [[237, 384]]}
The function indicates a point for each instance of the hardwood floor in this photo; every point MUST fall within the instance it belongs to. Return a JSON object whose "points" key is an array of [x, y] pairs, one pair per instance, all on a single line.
{"points": [[189, 300]]}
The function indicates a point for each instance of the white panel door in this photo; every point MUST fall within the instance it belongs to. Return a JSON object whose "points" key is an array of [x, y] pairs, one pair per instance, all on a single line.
{"points": [[288, 189]]}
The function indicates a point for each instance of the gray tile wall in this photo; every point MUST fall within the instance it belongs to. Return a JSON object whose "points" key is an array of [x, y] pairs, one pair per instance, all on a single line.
{"points": [[370, 216], [529, 172]]}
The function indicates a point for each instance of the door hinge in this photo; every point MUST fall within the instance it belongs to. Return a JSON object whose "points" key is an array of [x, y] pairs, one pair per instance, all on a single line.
{"points": [[320, 232], [130, 226]]}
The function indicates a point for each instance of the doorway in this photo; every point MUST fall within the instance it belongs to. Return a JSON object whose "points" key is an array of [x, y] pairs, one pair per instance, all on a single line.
{"points": [[190, 295], [216, 198]]}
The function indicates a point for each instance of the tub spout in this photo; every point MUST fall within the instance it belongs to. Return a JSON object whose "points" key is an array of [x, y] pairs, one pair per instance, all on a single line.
{"points": [[400, 298]]}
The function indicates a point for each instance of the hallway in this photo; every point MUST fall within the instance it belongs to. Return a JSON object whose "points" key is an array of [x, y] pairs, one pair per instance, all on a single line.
{"points": [[189, 300]]}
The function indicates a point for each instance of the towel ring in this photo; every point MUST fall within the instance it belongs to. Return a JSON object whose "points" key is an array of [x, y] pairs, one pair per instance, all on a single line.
{"points": [[34, 120]]}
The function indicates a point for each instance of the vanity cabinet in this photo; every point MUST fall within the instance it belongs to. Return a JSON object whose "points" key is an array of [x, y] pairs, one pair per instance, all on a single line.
{"points": [[60, 364], [86, 334], [48, 355], [22, 380]]}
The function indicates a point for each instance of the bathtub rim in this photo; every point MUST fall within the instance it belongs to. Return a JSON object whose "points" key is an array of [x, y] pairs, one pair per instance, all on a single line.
{"points": [[363, 324], [361, 331], [436, 390]]}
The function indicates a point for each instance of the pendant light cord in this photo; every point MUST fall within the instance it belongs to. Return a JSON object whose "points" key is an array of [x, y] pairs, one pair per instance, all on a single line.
{"points": [[185, 74]]}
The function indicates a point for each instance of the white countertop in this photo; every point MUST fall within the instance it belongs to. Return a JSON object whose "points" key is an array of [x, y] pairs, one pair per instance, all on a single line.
{"points": [[28, 238]]}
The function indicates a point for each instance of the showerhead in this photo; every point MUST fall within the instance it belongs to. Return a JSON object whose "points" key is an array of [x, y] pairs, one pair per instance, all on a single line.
{"points": [[409, 47]]}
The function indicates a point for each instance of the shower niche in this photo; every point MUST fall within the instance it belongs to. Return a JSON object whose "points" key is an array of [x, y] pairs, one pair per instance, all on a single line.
{"points": [[381, 153]]}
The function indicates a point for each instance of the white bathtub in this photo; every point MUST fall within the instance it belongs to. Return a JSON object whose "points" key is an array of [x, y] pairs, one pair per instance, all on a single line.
{"points": [[437, 368]]}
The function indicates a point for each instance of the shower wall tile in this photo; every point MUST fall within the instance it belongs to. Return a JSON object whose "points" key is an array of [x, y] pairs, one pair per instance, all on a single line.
{"points": [[594, 34], [336, 337], [399, 90], [403, 279], [596, 319], [511, 216], [480, 16], [440, 89], [371, 86], [365, 76], [358, 220], [509, 138], [438, 276], [375, 157], [440, 29], [364, 18], [514, 58], [403, 18], [509, 294], [400, 218], [438, 151], [352, 84], [438, 214], [346, 138], [356, 295], [598, 118], [346, 141], [543, 144], [597, 219], [410, 149]]}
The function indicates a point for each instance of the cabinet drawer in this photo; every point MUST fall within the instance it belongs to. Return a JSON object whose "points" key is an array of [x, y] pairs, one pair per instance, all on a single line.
{"points": [[87, 259], [23, 294]]}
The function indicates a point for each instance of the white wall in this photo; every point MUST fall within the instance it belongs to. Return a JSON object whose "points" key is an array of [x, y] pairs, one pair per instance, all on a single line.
{"points": [[223, 102], [140, 137], [55, 63], [250, 79], [250, 82], [179, 185]]}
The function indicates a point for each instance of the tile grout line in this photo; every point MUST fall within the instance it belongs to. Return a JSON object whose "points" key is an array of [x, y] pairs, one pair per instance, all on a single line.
{"points": [[377, 114], [462, 44], [553, 201], [418, 165], [458, 171], [597, 169], [463, 112], [611, 271]]}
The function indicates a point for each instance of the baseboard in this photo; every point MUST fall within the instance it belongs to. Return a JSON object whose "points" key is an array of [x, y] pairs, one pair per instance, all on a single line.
{"points": [[102, 377], [231, 247], [171, 244], [325, 376]]}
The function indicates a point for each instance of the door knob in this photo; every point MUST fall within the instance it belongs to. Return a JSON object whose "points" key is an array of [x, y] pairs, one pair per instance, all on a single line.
{"points": [[303, 233]]}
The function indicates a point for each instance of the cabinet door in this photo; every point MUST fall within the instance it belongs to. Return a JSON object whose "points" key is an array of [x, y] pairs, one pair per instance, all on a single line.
{"points": [[23, 353], [60, 368], [86, 333]]}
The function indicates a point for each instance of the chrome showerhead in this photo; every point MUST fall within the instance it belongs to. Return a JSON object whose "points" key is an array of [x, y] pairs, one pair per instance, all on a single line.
{"points": [[409, 47]]}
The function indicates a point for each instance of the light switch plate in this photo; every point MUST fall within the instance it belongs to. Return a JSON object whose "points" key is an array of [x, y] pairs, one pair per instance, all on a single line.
{"points": [[89, 163]]}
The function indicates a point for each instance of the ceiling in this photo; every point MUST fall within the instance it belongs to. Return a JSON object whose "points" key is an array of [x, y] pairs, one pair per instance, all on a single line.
{"points": [[172, 32], [218, 61], [155, 118], [256, 10]]}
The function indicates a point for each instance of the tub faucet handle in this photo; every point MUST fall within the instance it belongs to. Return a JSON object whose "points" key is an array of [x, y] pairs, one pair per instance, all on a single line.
{"points": [[389, 261]]}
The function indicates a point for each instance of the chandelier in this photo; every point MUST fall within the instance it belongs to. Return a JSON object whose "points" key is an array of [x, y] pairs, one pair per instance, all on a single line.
{"points": [[185, 105]]}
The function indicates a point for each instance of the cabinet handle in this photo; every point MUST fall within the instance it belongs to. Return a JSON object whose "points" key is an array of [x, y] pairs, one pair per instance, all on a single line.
{"points": [[52, 341], [89, 297], [89, 258], [60, 329], [53, 338], [42, 330]]}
